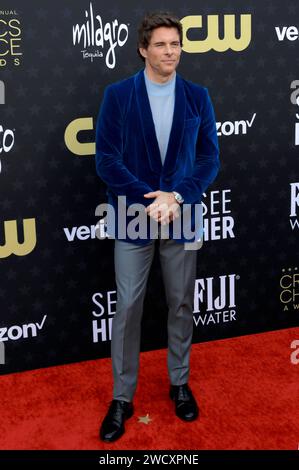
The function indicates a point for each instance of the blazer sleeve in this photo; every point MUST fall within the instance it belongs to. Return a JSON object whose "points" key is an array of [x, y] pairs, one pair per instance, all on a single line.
{"points": [[207, 157], [109, 153]]}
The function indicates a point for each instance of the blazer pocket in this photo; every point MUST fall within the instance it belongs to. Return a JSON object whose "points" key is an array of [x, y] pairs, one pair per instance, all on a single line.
{"points": [[192, 122]]}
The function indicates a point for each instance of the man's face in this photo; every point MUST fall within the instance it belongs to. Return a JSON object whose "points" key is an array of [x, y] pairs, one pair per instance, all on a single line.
{"points": [[163, 52]]}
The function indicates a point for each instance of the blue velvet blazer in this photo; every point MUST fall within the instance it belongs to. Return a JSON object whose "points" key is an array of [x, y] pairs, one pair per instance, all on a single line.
{"points": [[128, 158]]}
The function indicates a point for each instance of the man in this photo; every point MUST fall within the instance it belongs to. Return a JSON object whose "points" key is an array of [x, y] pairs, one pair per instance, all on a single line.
{"points": [[156, 145]]}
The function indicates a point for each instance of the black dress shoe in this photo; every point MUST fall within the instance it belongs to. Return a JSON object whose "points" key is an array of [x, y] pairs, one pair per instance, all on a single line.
{"points": [[185, 405], [113, 424]]}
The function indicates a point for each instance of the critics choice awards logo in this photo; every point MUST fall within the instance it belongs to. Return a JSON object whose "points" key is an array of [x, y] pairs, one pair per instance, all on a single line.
{"points": [[289, 289], [10, 38]]}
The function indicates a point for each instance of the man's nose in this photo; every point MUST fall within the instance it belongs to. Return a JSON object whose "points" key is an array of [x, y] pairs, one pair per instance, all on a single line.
{"points": [[168, 49]]}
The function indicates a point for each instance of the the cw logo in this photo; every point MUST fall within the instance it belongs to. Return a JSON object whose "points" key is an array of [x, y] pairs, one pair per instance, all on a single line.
{"points": [[71, 136], [11, 242], [212, 40]]}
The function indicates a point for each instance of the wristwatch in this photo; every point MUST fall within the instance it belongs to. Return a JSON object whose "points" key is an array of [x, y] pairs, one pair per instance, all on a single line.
{"points": [[178, 197]]}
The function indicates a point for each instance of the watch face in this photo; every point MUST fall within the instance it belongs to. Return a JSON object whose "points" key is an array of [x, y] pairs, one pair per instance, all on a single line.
{"points": [[179, 198]]}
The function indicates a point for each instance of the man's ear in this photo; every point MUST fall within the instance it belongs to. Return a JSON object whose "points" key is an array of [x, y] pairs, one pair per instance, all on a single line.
{"points": [[142, 52]]}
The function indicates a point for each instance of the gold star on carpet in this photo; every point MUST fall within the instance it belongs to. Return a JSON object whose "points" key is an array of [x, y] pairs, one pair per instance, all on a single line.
{"points": [[144, 419]]}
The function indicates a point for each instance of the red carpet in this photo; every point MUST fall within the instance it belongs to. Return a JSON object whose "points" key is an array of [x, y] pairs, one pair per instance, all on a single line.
{"points": [[246, 387]]}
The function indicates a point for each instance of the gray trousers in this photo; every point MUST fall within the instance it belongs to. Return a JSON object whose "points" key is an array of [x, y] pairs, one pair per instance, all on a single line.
{"points": [[132, 266]]}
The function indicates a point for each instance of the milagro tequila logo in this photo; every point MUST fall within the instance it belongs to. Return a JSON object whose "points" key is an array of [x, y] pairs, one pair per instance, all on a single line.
{"points": [[215, 300], [95, 37]]}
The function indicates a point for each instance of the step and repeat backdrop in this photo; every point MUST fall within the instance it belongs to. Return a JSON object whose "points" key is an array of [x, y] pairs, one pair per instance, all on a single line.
{"points": [[57, 289]]}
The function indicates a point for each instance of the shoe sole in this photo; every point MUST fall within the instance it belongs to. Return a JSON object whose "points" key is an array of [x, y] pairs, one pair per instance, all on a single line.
{"points": [[188, 419]]}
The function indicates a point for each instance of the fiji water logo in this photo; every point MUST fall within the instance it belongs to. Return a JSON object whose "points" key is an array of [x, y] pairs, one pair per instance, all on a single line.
{"points": [[215, 300]]}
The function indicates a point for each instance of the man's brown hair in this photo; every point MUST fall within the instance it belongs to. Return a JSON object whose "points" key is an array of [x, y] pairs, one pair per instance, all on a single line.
{"points": [[155, 20]]}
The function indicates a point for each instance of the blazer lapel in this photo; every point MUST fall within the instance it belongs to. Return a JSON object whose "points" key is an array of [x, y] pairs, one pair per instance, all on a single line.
{"points": [[147, 123], [148, 126], [177, 129]]}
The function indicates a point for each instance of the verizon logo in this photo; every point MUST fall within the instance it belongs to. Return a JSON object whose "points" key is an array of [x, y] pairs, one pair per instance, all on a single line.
{"points": [[287, 32], [16, 332]]}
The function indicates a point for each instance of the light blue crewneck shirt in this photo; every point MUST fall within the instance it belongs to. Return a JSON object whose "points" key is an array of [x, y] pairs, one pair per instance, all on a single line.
{"points": [[162, 98]]}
